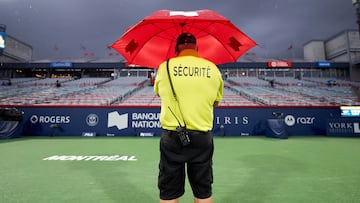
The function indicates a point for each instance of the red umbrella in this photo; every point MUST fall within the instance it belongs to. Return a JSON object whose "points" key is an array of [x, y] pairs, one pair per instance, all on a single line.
{"points": [[153, 39]]}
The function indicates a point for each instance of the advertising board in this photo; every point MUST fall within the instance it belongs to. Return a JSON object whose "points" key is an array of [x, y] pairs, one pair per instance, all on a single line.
{"points": [[140, 121]]}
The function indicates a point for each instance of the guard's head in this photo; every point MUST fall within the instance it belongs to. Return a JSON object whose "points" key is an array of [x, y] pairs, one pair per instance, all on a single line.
{"points": [[185, 41]]}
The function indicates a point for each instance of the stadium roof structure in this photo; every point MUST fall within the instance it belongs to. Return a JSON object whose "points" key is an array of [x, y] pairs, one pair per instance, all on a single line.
{"points": [[80, 60], [244, 58], [122, 65]]}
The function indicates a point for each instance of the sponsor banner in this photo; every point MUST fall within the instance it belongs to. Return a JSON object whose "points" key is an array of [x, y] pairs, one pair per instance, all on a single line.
{"points": [[89, 134], [279, 64], [110, 121], [350, 111], [52, 121], [323, 64], [61, 65], [345, 127]]}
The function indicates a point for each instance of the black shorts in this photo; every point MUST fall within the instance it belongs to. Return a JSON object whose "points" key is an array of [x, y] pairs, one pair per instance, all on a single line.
{"points": [[197, 156]]}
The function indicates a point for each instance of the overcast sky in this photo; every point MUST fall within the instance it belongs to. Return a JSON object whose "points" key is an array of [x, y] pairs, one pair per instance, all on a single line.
{"points": [[72, 29]]}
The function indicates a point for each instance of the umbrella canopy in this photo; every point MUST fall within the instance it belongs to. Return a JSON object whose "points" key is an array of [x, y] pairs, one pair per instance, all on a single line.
{"points": [[152, 40]]}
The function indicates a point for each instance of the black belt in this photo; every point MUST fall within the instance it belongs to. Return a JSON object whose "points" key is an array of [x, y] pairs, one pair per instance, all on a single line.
{"points": [[190, 131]]}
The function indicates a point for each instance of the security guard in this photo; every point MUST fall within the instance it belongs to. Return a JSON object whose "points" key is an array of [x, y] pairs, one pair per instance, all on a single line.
{"points": [[197, 89]]}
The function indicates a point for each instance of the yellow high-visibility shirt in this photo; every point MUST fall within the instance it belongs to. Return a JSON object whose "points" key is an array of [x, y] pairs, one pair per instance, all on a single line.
{"points": [[197, 83]]}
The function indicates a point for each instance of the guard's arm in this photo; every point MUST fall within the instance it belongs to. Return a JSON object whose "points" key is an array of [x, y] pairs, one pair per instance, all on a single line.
{"points": [[216, 103]]}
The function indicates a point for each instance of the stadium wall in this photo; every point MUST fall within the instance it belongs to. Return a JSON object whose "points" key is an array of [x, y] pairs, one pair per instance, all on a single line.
{"points": [[140, 121], [16, 51]]}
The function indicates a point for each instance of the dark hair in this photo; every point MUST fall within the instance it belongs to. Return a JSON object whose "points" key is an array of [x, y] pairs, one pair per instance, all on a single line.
{"points": [[184, 38]]}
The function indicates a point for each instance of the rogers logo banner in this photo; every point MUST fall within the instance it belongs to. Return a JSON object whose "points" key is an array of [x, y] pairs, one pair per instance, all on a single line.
{"points": [[279, 64]]}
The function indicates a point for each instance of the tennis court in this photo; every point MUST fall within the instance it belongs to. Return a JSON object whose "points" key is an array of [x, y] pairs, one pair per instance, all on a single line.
{"points": [[124, 169]]}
